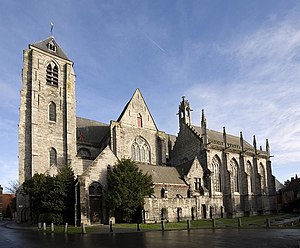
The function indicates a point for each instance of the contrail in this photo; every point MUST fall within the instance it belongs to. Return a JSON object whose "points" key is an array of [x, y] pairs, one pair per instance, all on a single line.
{"points": [[158, 46]]}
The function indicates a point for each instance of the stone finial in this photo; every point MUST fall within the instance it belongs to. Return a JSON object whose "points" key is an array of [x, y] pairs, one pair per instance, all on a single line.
{"points": [[254, 142], [241, 141], [224, 137], [267, 147], [203, 118]]}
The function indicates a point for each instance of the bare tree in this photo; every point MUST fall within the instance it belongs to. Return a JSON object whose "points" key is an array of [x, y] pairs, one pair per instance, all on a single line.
{"points": [[12, 187]]}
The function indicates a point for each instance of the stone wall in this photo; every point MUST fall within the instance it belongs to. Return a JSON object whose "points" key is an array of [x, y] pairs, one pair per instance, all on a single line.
{"points": [[37, 134], [186, 147]]}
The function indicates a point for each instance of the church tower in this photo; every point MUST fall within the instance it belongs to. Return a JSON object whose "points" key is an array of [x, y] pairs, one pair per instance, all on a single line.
{"points": [[47, 126]]}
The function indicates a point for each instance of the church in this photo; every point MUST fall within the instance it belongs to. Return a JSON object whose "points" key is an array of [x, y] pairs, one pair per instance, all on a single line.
{"points": [[197, 174]]}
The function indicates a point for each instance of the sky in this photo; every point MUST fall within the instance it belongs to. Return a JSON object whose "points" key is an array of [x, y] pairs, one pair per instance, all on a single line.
{"points": [[237, 60]]}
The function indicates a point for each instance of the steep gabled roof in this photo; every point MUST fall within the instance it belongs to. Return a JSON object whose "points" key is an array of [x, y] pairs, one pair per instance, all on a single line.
{"points": [[90, 131], [184, 168], [43, 45], [162, 174], [216, 137], [136, 97]]}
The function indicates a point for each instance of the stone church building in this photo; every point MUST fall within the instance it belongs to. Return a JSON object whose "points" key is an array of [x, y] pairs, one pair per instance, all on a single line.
{"points": [[200, 173]]}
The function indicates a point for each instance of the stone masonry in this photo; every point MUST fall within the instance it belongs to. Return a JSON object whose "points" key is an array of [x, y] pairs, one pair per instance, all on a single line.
{"points": [[200, 173]]}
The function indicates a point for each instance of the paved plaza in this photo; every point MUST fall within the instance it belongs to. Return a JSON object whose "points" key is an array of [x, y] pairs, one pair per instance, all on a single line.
{"points": [[13, 236]]}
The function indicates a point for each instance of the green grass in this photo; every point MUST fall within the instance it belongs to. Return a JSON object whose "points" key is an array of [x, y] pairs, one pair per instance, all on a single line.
{"points": [[247, 222]]}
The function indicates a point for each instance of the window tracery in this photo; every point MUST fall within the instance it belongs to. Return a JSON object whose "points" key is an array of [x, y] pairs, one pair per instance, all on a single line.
{"points": [[234, 175], [95, 189], [216, 164], [262, 177], [249, 173], [140, 150]]}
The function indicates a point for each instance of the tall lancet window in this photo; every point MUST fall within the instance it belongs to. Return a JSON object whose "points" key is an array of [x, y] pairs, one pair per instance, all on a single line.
{"points": [[52, 74], [140, 150], [139, 121], [52, 111], [249, 173], [53, 156], [234, 175], [262, 177], [216, 164]]}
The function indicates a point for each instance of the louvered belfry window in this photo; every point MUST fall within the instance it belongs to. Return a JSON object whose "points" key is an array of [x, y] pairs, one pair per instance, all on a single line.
{"points": [[52, 74]]}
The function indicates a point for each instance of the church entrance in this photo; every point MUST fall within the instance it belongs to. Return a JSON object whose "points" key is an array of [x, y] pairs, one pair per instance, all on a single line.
{"points": [[95, 197]]}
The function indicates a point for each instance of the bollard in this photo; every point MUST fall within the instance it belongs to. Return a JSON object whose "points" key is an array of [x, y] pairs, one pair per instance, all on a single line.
{"points": [[110, 226], [188, 223], [138, 227], [162, 225], [39, 225], [66, 227], [213, 221], [83, 231], [239, 222], [52, 227], [44, 226], [268, 223]]}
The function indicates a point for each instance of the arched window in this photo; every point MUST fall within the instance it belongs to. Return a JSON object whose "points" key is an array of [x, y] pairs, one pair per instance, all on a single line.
{"points": [[216, 164], [234, 174], [249, 173], [262, 177], [139, 121], [95, 189], [140, 150], [84, 153], [52, 112], [52, 74], [53, 156]]}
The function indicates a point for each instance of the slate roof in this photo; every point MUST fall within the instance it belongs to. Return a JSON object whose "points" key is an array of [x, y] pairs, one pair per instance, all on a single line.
{"points": [[162, 174], [43, 46], [90, 131], [217, 138], [184, 168]]}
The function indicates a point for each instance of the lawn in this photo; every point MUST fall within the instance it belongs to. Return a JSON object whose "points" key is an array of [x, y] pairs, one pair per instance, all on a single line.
{"points": [[246, 222]]}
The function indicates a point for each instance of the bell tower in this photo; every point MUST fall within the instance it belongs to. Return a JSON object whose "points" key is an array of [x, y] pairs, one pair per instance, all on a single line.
{"points": [[47, 125], [184, 112]]}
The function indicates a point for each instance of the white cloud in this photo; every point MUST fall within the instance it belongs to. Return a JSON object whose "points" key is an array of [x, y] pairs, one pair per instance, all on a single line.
{"points": [[263, 97]]}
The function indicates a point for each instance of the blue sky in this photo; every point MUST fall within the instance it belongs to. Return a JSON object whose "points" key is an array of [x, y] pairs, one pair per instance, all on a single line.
{"points": [[238, 60]]}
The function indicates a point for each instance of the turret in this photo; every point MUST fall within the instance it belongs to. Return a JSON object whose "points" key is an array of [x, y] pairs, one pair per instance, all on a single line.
{"points": [[184, 112], [203, 129]]}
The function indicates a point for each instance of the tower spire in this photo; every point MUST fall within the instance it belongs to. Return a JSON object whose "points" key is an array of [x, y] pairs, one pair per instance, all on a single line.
{"points": [[203, 129]]}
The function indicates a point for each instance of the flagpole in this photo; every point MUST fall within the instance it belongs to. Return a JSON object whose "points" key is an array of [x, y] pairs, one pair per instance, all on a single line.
{"points": [[51, 28]]}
